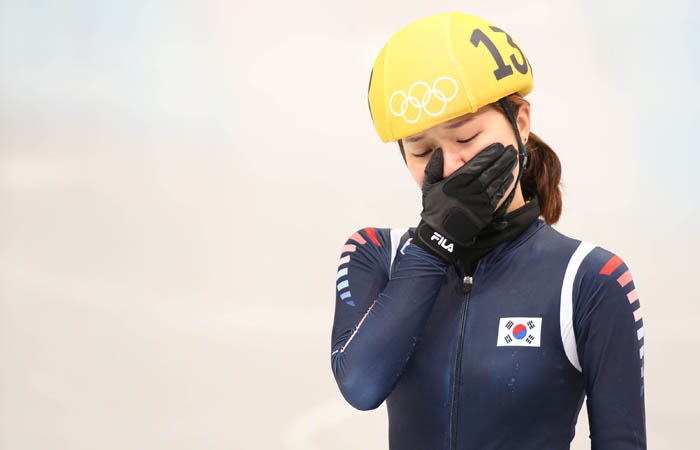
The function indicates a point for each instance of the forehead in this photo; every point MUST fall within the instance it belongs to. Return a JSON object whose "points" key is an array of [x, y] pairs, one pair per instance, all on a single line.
{"points": [[447, 125]]}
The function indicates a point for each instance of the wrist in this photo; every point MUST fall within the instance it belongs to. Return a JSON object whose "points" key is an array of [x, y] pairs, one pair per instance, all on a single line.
{"points": [[435, 242]]}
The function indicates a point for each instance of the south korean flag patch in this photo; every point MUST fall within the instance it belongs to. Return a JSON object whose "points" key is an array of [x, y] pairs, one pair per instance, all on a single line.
{"points": [[521, 331]]}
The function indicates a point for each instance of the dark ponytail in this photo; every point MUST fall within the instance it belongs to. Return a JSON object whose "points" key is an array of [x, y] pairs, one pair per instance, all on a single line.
{"points": [[543, 173]]}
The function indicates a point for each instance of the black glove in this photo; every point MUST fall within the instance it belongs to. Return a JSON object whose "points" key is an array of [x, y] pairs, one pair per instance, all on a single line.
{"points": [[457, 208]]}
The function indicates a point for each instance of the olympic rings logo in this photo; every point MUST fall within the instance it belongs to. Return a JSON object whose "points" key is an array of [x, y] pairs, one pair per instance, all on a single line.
{"points": [[409, 98]]}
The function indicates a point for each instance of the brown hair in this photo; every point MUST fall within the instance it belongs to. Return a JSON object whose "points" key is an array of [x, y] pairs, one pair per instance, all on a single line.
{"points": [[543, 173]]}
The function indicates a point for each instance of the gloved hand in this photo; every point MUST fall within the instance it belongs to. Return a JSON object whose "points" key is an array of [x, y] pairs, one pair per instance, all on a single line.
{"points": [[457, 208]]}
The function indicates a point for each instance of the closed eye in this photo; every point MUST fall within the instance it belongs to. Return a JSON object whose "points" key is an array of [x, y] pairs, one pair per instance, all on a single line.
{"points": [[422, 154], [462, 141]]}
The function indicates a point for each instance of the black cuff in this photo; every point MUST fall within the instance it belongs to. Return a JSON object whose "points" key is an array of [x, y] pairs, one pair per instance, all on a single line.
{"points": [[431, 240]]}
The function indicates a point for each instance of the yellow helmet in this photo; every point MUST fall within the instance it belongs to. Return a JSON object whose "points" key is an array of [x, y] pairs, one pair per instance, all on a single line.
{"points": [[441, 67]]}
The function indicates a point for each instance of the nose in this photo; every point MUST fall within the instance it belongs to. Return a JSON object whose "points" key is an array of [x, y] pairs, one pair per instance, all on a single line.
{"points": [[453, 159]]}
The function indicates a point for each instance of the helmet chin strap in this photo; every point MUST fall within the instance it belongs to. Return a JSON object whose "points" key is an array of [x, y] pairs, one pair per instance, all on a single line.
{"points": [[499, 221]]}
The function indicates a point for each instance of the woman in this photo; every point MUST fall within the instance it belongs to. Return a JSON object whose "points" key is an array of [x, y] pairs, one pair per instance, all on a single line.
{"points": [[483, 327]]}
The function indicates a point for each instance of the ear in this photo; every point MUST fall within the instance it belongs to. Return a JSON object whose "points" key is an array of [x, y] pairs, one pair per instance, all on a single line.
{"points": [[523, 121]]}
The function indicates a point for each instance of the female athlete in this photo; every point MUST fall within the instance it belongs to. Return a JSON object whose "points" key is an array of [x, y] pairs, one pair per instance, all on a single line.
{"points": [[482, 327]]}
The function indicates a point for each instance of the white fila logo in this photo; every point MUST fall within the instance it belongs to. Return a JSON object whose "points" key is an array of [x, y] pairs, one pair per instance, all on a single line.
{"points": [[442, 241], [522, 331]]}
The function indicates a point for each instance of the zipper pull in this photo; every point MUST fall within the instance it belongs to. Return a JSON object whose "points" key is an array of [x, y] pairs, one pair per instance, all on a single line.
{"points": [[467, 284]]}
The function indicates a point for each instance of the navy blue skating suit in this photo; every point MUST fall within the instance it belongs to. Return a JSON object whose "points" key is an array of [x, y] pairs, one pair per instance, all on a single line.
{"points": [[499, 360]]}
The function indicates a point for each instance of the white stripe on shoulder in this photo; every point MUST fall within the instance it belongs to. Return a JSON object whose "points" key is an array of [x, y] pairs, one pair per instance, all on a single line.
{"points": [[395, 234], [566, 308]]}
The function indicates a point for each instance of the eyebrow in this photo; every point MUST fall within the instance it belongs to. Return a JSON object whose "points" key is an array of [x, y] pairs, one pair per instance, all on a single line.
{"points": [[459, 123]]}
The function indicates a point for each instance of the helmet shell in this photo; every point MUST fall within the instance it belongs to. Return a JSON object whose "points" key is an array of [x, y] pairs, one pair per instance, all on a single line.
{"points": [[441, 67]]}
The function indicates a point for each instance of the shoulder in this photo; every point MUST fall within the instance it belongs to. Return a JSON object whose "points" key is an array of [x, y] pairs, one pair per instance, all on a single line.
{"points": [[587, 262], [598, 298], [379, 237], [383, 243], [604, 287], [548, 238], [603, 268], [590, 267]]}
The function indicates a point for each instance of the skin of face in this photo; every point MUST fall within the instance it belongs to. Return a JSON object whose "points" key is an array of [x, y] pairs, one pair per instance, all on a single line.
{"points": [[483, 127]]}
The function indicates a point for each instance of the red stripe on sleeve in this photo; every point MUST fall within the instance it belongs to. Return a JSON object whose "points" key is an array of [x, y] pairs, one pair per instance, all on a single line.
{"points": [[372, 235], [611, 265]]}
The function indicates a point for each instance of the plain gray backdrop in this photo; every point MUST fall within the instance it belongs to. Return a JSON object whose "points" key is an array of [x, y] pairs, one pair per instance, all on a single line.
{"points": [[177, 180]]}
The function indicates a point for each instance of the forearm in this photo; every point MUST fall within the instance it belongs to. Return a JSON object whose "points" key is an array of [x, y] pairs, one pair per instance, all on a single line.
{"points": [[369, 358]]}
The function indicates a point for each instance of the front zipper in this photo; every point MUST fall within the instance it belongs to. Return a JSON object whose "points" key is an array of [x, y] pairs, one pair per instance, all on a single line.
{"points": [[467, 282]]}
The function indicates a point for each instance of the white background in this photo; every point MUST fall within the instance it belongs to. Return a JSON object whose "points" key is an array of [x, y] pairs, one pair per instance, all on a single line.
{"points": [[177, 180]]}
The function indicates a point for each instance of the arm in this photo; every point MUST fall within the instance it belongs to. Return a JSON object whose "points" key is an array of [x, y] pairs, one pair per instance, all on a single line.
{"points": [[610, 344], [378, 319]]}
